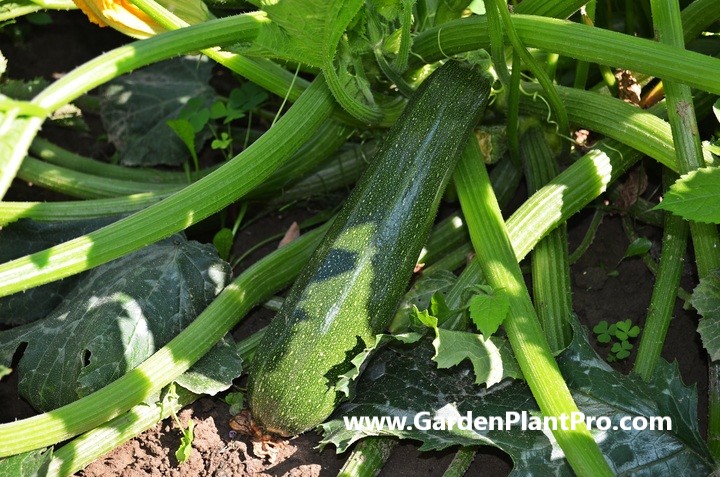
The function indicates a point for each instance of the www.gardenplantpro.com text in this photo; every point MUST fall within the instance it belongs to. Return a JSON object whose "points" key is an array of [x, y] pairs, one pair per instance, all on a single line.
{"points": [[518, 420]]}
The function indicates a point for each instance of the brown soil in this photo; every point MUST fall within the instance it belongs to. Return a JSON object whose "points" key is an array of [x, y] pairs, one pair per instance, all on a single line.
{"points": [[51, 50]]}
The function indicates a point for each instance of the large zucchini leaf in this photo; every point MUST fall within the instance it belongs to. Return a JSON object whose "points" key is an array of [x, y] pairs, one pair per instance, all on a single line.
{"points": [[403, 382], [116, 317]]}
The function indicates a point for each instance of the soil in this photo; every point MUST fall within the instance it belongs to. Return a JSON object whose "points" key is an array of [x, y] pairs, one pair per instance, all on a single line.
{"points": [[51, 50]]}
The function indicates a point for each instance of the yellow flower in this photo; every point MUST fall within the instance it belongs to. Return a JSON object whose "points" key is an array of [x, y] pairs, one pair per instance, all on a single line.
{"points": [[125, 17]]}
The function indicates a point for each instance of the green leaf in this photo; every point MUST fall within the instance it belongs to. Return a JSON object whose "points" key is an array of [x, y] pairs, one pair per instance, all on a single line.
{"points": [[639, 246], [489, 311], [247, 97], [215, 371], [116, 317], [135, 109], [29, 464], [601, 327], [305, 31], [186, 132], [694, 196], [4, 371], [716, 110], [706, 300], [218, 110], [196, 113], [223, 241], [399, 381], [439, 308], [23, 89], [346, 382], [421, 294], [677, 401], [236, 401], [24, 237], [223, 142], [425, 318], [491, 358], [311, 32], [185, 449]]}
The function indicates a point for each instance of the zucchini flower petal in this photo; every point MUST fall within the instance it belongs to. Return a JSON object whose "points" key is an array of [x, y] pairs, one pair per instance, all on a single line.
{"points": [[125, 17]]}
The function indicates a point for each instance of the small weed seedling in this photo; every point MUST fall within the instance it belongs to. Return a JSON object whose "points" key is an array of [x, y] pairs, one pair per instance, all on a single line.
{"points": [[619, 335]]}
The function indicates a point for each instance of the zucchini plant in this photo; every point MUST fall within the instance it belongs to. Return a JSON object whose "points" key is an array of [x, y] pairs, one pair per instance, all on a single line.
{"points": [[367, 107]]}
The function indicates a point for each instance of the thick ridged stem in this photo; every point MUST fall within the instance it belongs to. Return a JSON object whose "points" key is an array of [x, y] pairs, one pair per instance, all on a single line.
{"points": [[550, 263], [494, 249]]}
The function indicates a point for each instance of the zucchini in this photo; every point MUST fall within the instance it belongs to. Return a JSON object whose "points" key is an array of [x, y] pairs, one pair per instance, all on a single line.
{"points": [[351, 286]]}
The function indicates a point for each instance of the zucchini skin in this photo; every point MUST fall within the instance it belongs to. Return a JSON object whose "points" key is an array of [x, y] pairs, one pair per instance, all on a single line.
{"points": [[351, 286]]}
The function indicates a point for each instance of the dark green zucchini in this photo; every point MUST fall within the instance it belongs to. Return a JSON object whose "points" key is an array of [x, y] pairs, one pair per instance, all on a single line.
{"points": [[350, 288]]}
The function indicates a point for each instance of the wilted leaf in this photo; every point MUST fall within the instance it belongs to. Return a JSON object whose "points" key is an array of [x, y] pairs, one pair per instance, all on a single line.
{"points": [[116, 317], [291, 234], [706, 300], [135, 109], [694, 196]]}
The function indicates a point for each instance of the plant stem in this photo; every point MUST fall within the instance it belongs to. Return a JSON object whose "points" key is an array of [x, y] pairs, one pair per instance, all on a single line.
{"points": [[460, 463], [541, 75], [667, 282], [190, 205], [681, 113], [86, 186], [85, 449], [642, 130], [552, 294], [495, 252], [576, 41], [341, 171], [368, 457], [76, 209], [588, 238], [54, 154]]}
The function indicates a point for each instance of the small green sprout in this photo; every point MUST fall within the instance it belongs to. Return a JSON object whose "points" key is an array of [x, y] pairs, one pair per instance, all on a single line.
{"points": [[621, 333], [236, 401], [182, 454]]}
